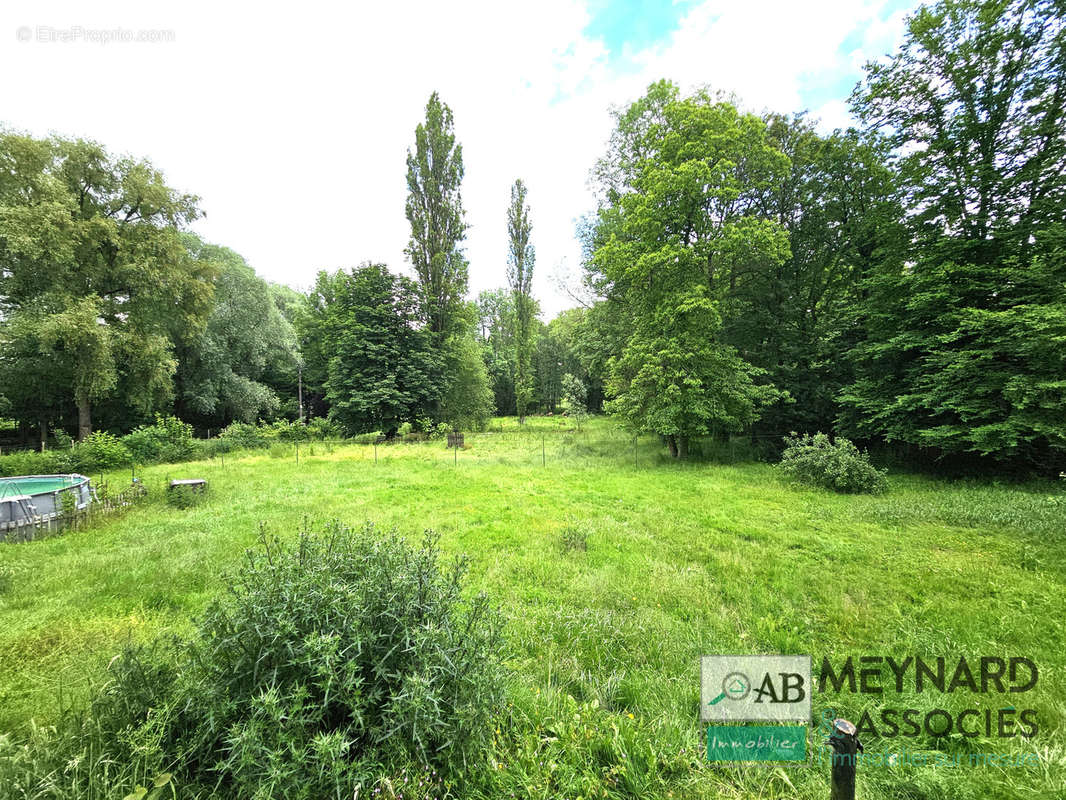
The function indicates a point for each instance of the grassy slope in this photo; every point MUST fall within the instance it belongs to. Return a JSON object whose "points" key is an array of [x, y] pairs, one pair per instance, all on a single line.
{"points": [[682, 559]]}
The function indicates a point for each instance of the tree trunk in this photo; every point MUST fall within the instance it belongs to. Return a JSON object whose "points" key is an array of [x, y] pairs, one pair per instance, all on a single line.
{"points": [[682, 447], [85, 421], [671, 445], [44, 433]]}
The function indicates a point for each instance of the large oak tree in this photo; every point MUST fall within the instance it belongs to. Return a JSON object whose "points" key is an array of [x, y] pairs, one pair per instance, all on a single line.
{"points": [[95, 282]]}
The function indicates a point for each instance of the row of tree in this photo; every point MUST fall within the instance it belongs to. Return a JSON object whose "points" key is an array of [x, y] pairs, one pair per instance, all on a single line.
{"points": [[110, 311], [904, 282]]}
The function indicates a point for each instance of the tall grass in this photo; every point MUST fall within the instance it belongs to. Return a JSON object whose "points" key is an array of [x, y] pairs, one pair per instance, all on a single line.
{"points": [[603, 643]]}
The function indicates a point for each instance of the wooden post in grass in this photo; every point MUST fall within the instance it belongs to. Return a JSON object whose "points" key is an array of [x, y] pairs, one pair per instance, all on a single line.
{"points": [[845, 746], [297, 443]]}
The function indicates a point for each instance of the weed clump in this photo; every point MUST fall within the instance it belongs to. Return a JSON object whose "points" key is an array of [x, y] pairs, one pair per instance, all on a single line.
{"points": [[837, 465], [184, 497], [575, 537], [335, 654]]}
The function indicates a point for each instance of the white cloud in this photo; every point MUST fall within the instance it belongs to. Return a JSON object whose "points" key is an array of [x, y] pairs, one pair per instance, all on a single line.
{"points": [[292, 122], [832, 115]]}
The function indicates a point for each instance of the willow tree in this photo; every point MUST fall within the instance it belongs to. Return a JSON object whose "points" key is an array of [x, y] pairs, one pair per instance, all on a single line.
{"points": [[520, 262], [223, 369]]}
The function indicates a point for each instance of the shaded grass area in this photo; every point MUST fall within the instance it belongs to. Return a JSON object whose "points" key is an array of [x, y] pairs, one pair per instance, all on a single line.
{"points": [[677, 560]]}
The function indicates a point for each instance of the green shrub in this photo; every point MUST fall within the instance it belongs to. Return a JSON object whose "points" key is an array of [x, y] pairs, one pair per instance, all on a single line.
{"points": [[100, 451], [62, 439], [185, 496], [404, 429], [211, 448], [31, 462], [838, 465], [322, 428], [364, 654], [287, 431], [368, 438], [243, 436], [167, 441]]}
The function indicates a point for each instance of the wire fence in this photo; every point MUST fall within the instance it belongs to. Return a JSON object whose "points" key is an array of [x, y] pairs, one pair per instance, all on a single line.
{"points": [[510, 447]]}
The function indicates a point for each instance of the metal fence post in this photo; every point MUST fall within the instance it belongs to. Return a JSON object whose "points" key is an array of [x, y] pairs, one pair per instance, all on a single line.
{"points": [[845, 746]]}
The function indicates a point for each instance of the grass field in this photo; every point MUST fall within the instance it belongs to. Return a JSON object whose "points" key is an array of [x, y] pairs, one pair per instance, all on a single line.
{"points": [[616, 569]]}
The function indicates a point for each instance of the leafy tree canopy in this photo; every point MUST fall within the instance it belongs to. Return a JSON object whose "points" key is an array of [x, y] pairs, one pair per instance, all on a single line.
{"points": [[676, 225], [221, 368], [435, 213], [382, 366], [94, 277]]}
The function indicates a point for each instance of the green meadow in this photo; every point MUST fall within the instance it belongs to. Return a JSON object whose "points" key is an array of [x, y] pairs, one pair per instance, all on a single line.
{"points": [[615, 568]]}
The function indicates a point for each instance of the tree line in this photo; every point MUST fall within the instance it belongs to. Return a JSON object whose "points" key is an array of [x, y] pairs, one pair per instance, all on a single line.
{"points": [[899, 282]]}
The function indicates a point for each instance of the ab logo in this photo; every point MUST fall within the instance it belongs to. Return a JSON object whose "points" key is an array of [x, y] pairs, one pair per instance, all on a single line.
{"points": [[744, 688]]}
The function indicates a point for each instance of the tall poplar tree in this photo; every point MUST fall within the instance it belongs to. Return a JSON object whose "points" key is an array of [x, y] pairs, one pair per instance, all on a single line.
{"points": [[435, 211], [519, 278]]}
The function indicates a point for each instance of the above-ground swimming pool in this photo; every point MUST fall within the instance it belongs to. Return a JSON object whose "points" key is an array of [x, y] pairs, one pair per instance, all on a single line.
{"points": [[28, 500]]}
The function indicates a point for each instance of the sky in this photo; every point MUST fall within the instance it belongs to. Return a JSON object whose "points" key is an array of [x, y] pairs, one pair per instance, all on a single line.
{"points": [[291, 121]]}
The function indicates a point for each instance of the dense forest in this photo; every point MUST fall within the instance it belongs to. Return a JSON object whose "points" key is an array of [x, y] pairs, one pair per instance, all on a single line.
{"points": [[901, 283]]}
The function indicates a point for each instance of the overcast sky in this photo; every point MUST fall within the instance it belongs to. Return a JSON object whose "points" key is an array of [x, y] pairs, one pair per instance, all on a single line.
{"points": [[291, 120]]}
